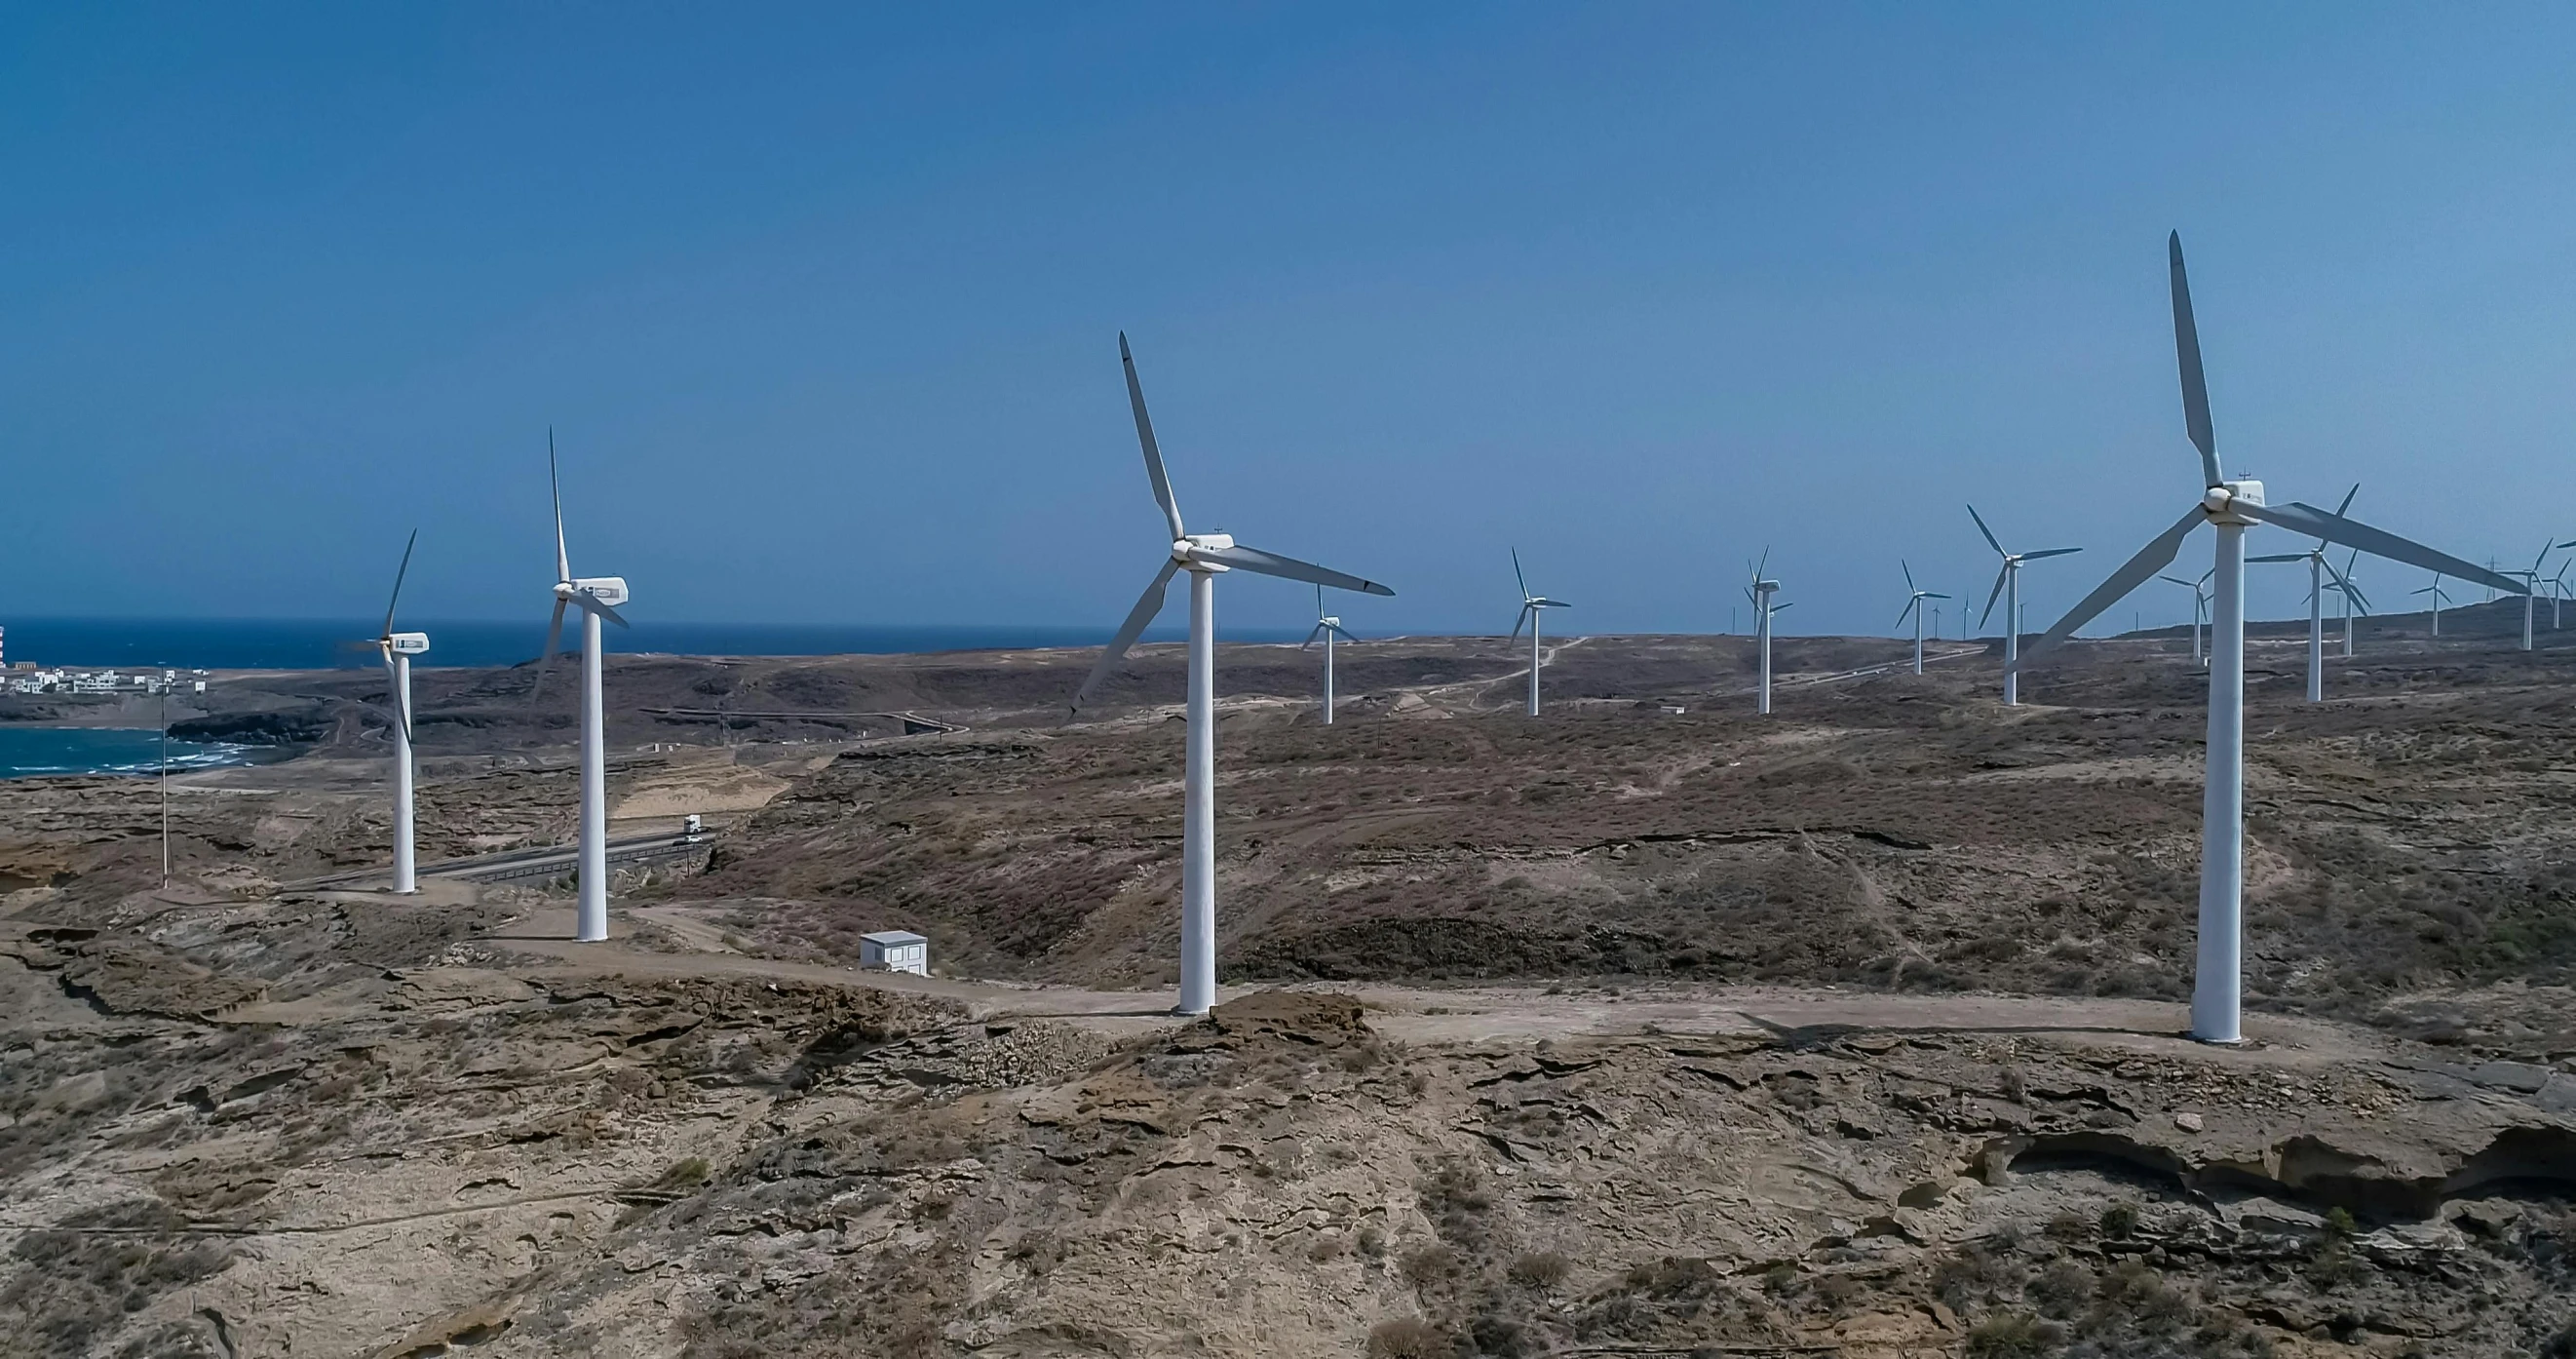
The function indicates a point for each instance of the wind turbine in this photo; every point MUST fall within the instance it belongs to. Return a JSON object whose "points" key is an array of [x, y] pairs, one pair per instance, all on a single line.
{"points": [[2318, 569], [1327, 627], [597, 597], [2231, 507], [2531, 595], [2199, 607], [398, 648], [1530, 605], [2354, 601], [2008, 584], [1760, 592], [1205, 556], [2435, 590], [1914, 606], [2558, 588]]}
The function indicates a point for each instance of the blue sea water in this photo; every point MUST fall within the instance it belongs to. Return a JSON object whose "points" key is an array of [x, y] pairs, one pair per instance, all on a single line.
{"points": [[318, 644], [26, 751]]}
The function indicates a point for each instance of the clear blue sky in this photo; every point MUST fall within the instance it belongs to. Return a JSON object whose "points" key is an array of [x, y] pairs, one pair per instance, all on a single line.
{"points": [[823, 301]]}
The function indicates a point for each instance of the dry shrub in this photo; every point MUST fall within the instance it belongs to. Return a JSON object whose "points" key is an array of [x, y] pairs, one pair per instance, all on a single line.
{"points": [[1410, 1338]]}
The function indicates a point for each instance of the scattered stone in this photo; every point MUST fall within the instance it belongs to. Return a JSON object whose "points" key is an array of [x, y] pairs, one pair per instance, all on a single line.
{"points": [[2187, 1121]]}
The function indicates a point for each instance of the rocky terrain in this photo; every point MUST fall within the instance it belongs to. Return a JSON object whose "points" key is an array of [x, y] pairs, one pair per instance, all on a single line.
{"points": [[1629, 1032]]}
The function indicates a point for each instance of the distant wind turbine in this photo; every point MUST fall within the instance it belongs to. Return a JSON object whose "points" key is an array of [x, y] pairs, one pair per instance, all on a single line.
{"points": [[1205, 556], [2532, 581], [2008, 585], [2439, 597], [597, 597], [2318, 569], [1530, 606], [2354, 601], [2199, 607], [2232, 507], [1760, 592], [397, 649], [1327, 627], [1914, 606]]}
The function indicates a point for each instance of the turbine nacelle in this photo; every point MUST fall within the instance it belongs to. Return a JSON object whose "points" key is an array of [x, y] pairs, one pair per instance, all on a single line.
{"points": [[406, 643], [2220, 500], [608, 590], [1186, 550]]}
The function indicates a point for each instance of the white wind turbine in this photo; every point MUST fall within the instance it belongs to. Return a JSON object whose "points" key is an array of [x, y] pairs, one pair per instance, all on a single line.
{"points": [[1205, 556], [2558, 588], [1760, 591], [2199, 607], [1914, 606], [2354, 601], [597, 597], [1327, 627], [2532, 581], [2231, 507], [397, 649], [2318, 569], [2440, 597], [2008, 584], [1530, 606]]}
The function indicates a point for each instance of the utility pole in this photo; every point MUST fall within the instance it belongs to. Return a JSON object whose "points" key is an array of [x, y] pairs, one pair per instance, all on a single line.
{"points": [[165, 781]]}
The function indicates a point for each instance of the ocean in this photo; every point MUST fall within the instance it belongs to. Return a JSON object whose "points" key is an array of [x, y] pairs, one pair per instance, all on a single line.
{"points": [[318, 644], [26, 751]]}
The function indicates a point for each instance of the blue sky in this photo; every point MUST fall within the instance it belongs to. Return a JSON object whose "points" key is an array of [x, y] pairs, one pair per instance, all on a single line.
{"points": [[823, 302]]}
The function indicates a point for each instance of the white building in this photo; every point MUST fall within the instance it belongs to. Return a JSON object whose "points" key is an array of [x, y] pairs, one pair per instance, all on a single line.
{"points": [[895, 951]]}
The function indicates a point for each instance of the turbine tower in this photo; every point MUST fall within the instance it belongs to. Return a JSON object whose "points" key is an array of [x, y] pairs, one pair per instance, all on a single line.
{"points": [[1914, 606], [2532, 580], [1760, 591], [397, 649], [2318, 569], [2231, 507], [1205, 556], [1530, 605], [597, 597], [2008, 585], [1327, 627], [2439, 597]]}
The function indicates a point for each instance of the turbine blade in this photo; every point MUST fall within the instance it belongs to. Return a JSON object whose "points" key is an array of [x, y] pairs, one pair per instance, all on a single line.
{"points": [[1147, 605], [1319, 631], [402, 710], [546, 659], [1990, 533], [2316, 523], [399, 573], [1523, 616], [1255, 560], [590, 605], [2191, 585], [1908, 612], [1909, 573], [1145, 437], [2151, 559], [2347, 499], [1993, 595], [1516, 573], [2279, 557], [1344, 633], [2051, 552], [1766, 561], [2195, 385], [1930, 595], [554, 482]]}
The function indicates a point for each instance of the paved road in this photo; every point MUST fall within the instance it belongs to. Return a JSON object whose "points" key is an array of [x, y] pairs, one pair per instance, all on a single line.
{"points": [[549, 861]]}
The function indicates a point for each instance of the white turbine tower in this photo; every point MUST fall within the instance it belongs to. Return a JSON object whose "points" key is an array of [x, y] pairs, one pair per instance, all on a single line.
{"points": [[1914, 606], [1205, 556], [2318, 570], [1530, 606], [2008, 585], [1760, 591], [2440, 597], [1327, 627], [597, 597], [2231, 507], [2199, 607], [397, 649], [2558, 588]]}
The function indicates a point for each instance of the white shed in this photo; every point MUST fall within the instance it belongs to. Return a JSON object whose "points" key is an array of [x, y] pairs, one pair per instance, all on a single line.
{"points": [[895, 951]]}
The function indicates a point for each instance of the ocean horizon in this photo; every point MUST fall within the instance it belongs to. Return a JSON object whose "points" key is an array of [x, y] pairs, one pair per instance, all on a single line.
{"points": [[321, 644]]}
